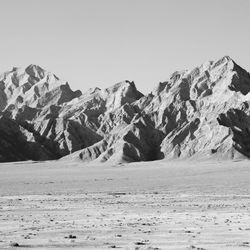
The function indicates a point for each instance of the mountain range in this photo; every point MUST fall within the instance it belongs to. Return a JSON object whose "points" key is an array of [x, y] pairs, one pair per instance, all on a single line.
{"points": [[200, 113]]}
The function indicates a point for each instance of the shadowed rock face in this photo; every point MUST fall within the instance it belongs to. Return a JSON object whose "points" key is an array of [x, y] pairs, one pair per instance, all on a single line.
{"points": [[44, 110], [203, 112], [18, 144], [182, 115]]}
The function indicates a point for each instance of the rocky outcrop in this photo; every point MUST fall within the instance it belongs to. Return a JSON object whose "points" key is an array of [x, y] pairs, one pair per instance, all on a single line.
{"points": [[19, 144], [200, 113], [189, 106], [33, 87], [137, 140], [60, 120]]}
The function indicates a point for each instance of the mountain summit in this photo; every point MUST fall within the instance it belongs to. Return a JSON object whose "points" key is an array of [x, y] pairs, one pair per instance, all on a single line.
{"points": [[32, 87], [198, 113]]}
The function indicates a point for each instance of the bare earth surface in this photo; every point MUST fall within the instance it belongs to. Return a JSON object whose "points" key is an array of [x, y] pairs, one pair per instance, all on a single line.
{"points": [[153, 205]]}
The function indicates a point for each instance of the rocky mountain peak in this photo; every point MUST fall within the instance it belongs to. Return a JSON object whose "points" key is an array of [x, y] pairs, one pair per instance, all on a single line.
{"points": [[124, 86], [202, 112], [33, 87], [121, 93], [35, 71]]}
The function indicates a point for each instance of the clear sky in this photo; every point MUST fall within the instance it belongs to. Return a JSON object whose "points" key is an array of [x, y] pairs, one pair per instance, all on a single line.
{"points": [[100, 42]]}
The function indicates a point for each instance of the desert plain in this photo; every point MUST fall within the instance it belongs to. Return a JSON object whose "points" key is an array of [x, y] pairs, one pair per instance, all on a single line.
{"points": [[147, 205]]}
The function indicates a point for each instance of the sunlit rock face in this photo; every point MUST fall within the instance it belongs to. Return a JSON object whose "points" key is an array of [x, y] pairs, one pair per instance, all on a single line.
{"points": [[198, 113], [194, 110]]}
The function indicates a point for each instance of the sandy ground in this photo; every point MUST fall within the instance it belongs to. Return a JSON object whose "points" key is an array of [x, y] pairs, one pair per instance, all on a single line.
{"points": [[154, 205]]}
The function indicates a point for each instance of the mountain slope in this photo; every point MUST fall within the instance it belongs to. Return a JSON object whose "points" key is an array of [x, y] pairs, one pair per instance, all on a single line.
{"points": [[198, 113], [189, 107]]}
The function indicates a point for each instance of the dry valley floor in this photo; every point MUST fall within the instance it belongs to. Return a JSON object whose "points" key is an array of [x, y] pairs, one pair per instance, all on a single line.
{"points": [[152, 205]]}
